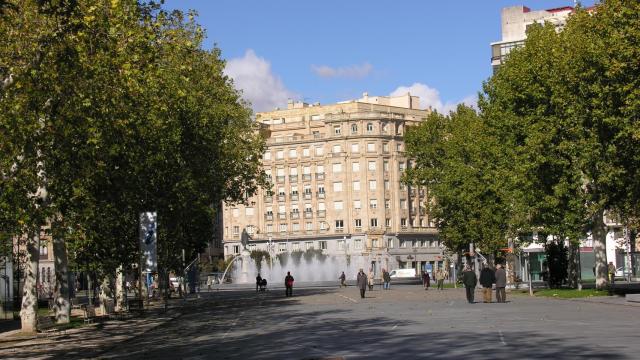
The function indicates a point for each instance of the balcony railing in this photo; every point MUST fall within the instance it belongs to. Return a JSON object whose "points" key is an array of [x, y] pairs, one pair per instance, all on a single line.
{"points": [[268, 216], [294, 196], [307, 196], [268, 199], [295, 215], [320, 195], [319, 176], [308, 214], [293, 178], [280, 179], [322, 213], [306, 177], [281, 197], [282, 216]]}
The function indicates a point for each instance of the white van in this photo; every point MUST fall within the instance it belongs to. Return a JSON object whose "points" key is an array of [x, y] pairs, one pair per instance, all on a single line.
{"points": [[402, 273]]}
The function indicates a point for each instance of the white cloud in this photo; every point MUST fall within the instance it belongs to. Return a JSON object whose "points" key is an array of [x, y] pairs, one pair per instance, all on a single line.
{"points": [[353, 71], [260, 86], [430, 97]]}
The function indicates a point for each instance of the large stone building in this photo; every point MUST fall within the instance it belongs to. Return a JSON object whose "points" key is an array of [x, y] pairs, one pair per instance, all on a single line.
{"points": [[336, 171]]}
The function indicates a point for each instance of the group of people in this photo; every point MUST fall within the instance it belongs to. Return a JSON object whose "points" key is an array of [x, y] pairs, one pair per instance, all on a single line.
{"points": [[488, 277], [261, 284]]}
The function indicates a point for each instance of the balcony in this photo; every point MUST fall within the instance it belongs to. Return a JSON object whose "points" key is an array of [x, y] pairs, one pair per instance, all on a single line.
{"points": [[268, 216], [319, 176], [268, 199], [281, 197], [307, 196], [294, 215], [308, 214], [339, 230], [293, 178], [322, 213], [282, 216], [294, 196], [306, 177], [320, 195], [280, 179]]}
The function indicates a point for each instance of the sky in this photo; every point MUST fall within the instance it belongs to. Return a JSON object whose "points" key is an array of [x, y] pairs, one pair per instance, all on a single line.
{"points": [[334, 50]]}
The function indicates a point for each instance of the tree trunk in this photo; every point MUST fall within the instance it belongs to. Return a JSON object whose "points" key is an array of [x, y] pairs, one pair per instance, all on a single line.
{"points": [[62, 306], [574, 253], [120, 289], [599, 235], [632, 238], [29, 308], [105, 294]]}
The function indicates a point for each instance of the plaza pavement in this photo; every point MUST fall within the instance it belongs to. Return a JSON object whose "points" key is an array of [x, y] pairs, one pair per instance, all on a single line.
{"points": [[332, 323]]}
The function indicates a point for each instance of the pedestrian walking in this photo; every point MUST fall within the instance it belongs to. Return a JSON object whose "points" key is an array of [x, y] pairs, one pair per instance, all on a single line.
{"points": [[258, 282], [288, 284], [487, 279], [362, 282], [470, 280], [611, 270], [501, 283], [426, 280], [386, 279], [343, 280], [370, 279], [440, 275]]}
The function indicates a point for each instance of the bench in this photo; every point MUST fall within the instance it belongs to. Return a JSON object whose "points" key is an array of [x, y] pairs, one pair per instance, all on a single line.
{"points": [[47, 326], [135, 305], [89, 313]]}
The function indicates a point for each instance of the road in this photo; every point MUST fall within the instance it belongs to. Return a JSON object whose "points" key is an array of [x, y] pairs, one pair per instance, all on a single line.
{"points": [[406, 321]]}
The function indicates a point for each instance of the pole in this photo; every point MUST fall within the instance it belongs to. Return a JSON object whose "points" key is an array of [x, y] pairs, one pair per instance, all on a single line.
{"points": [[529, 274]]}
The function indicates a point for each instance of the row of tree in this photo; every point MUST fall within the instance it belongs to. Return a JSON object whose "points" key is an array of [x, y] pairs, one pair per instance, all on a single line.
{"points": [[107, 109], [554, 145]]}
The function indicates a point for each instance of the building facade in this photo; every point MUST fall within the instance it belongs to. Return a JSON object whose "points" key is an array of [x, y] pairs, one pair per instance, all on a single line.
{"points": [[336, 186]]}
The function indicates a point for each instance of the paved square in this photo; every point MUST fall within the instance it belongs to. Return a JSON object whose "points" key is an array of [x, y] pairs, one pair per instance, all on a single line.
{"points": [[329, 323]]}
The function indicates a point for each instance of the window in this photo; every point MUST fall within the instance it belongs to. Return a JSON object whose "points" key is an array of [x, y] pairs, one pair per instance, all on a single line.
{"points": [[308, 245], [44, 250], [357, 243], [251, 229], [385, 147], [374, 223], [321, 189], [321, 206], [357, 204], [280, 154], [282, 246], [372, 184], [369, 127], [337, 149], [248, 211], [337, 186], [236, 230], [403, 204], [305, 152], [337, 205], [375, 243], [416, 243], [387, 185], [401, 166], [403, 243], [373, 203], [337, 129], [267, 155], [319, 151], [340, 244], [355, 148], [390, 243], [322, 245], [296, 227], [295, 246], [320, 169], [398, 147], [371, 147], [236, 249], [387, 222], [371, 165], [339, 224], [403, 222], [323, 226], [385, 127], [252, 247], [358, 223], [354, 128], [235, 212], [293, 153], [337, 168], [306, 170], [280, 172], [281, 191], [385, 166], [307, 208], [355, 167], [315, 117], [356, 186], [308, 226], [283, 227], [387, 204]]}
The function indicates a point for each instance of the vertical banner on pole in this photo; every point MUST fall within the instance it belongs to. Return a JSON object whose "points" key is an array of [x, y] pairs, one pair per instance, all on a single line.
{"points": [[148, 241]]}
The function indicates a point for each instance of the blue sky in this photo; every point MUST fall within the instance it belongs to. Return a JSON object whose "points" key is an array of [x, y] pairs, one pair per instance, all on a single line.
{"points": [[327, 51]]}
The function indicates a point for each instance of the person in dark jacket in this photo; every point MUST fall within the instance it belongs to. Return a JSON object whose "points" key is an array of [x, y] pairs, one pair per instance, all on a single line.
{"points": [[426, 280], [362, 282], [470, 280], [386, 278], [343, 280], [487, 278], [258, 282], [501, 284], [288, 284]]}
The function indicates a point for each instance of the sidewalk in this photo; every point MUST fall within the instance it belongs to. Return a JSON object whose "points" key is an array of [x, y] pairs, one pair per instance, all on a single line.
{"points": [[89, 340]]}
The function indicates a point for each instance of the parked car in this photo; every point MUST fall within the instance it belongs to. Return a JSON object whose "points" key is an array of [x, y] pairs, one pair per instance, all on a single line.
{"points": [[402, 273]]}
